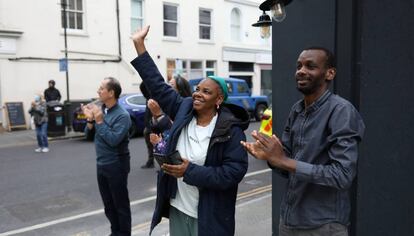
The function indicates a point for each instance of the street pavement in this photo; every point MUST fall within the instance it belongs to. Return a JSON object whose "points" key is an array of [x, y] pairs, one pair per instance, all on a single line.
{"points": [[253, 209], [28, 137]]}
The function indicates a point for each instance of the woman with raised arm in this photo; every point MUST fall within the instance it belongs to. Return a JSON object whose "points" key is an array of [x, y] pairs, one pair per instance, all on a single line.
{"points": [[199, 195]]}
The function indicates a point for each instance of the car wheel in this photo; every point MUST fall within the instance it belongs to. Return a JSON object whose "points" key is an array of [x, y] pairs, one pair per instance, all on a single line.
{"points": [[259, 111], [133, 129]]}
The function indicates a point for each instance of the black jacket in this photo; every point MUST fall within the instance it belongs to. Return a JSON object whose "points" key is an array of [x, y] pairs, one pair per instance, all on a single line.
{"points": [[226, 162], [52, 94]]}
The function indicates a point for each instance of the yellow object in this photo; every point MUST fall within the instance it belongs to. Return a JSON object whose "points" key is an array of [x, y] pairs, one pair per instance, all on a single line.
{"points": [[81, 116], [266, 125]]}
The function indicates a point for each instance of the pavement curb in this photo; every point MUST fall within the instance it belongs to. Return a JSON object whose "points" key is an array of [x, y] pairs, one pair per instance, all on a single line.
{"points": [[29, 138], [75, 136]]}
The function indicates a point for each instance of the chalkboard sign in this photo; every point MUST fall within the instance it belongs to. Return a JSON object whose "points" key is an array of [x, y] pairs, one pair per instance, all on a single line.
{"points": [[15, 115]]}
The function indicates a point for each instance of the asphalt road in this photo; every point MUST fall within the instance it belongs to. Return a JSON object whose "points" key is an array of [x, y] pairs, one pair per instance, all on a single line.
{"points": [[56, 193]]}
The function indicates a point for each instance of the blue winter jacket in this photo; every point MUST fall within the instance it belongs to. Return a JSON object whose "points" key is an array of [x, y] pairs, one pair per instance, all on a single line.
{"points": [[226, 162]]}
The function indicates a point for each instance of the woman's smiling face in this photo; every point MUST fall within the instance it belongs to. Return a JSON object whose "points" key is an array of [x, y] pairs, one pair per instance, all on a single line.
{"points": [[207, 96]]}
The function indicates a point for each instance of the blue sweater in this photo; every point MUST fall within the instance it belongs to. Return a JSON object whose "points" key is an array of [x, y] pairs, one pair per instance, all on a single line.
{"points": [[111, 136]]}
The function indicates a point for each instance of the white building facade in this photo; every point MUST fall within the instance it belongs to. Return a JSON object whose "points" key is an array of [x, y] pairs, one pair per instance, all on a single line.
{"points": [[192, 38]]}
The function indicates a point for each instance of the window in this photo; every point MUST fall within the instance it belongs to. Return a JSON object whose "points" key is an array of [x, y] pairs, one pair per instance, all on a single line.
{"points": [[242, 70], [170, 20], [247, 78], [242, 88], [205, 24], [230, 87], [235, 25], [240, 66], [266, 83], [190, 69], [136, 15], [74, 14], [210, 68], [176, 67], [196, 70], [170, 69]]}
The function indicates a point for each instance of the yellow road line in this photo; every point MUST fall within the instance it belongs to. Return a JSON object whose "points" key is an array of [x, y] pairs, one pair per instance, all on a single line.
{"points": [[254, 192], [240, 196]]}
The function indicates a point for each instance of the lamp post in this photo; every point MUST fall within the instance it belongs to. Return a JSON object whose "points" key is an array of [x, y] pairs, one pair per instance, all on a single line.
{"points": [[64, 4]]}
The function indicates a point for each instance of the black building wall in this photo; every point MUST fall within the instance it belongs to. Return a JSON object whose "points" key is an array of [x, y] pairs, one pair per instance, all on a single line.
{"points": [[385, 200], [373, 41]]}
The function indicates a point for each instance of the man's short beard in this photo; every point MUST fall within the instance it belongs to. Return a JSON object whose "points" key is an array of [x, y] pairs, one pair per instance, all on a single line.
{"points": [[305, 91]]}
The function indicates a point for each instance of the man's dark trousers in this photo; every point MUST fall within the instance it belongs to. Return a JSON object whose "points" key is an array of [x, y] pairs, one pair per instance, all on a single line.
{"points": [[113, 181], [150, 147]]}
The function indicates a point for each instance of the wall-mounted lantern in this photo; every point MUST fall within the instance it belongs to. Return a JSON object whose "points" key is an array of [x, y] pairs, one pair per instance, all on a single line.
{"points": [[264, 23], [276, 7], [278, 12]]}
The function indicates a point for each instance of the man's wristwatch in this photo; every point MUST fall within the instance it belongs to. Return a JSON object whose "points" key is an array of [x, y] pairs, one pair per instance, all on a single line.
{"points": [[90, 121], [158, 116]]}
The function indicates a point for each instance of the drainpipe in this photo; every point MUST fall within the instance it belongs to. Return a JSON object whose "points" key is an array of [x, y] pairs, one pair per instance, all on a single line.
{"points": [[119, 32]]}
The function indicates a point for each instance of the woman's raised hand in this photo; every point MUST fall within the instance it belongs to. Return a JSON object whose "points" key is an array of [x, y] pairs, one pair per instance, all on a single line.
{"points": [[138, 39], [155, 108]]}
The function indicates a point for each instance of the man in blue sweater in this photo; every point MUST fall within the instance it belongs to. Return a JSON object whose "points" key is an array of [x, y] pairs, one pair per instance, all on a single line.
{"points": [[111, 123]]}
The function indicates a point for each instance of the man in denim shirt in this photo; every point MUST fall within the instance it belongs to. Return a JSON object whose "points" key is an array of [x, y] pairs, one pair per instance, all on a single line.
{"points": [[111, 123], [318, 152]]}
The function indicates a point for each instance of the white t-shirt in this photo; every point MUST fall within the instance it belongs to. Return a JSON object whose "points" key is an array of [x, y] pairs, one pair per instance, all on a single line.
{"points": [[192, 145]]}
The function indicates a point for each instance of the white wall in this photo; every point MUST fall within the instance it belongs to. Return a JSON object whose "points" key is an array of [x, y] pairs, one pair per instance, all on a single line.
{"points": [[43, 37]]}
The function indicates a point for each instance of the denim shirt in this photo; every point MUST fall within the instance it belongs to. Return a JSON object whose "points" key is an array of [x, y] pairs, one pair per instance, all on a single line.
{"points": [[323, 139]]}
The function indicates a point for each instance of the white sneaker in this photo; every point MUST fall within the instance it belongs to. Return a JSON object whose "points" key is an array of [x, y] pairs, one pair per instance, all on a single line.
{"points": [[38, 150], [45, 149]]}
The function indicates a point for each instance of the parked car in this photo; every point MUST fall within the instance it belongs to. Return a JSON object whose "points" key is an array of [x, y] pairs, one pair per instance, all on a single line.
{"points": [[241, 95], [266, 124], [135, 105], [78, 120]]}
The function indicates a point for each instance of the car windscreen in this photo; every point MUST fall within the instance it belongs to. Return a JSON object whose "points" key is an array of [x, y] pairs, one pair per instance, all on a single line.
{"points": [[136, 100]]}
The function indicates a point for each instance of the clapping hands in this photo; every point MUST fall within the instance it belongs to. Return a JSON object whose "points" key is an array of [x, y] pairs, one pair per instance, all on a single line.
{"points": [[269, 149], [92, 112]]}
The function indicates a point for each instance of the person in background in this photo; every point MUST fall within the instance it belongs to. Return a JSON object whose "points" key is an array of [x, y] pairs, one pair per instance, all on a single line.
{"points": [[52, 93], [38, 112], [156, 122], [198, 195], [160, 127], [147, 129], [181, 85], [317, 152], [161, 123], [110, 123]]}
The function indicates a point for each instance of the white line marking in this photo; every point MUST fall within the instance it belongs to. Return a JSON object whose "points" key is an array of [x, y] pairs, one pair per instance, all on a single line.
{"points": [[144, 200], [258, 172], [96, 212], [75, 217]]}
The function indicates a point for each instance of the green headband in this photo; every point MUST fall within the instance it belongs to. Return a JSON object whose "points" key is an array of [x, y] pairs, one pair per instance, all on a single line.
{"points": [[223, 85]]}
